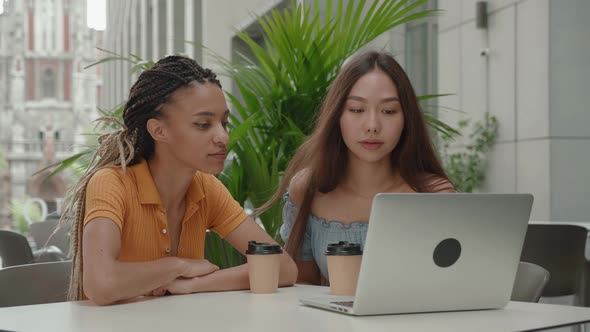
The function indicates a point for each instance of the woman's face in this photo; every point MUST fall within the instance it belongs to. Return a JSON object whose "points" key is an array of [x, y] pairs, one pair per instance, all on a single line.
{"points": [[195, 125], [372, 120]]}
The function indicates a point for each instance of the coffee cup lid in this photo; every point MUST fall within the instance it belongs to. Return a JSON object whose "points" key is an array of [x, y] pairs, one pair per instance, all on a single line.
{"points": [[343, 248], [261, 248]]}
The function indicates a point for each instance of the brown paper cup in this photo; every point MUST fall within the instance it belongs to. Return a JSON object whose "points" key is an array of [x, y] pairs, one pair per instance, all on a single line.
{"points": [[263, 271], [343, 274]]}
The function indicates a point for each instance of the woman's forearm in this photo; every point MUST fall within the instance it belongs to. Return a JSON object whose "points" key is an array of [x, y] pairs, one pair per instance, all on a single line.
{"points": [[236, 278], [288, 271], [123, 280]]}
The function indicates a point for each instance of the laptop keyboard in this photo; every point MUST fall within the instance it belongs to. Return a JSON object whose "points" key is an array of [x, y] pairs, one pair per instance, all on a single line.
{"points": [[344, 303]]}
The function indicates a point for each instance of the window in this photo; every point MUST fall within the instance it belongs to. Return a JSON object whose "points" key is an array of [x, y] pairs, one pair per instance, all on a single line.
{"points": [[179, 35], [197, 30], [162, 30], [48, 84], [149, 32], [421, 52]]}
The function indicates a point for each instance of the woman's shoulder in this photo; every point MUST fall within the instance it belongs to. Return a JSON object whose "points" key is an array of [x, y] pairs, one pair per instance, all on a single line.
{"points": [[109, 180], [297, 186], [208, 185], [108, 174], [438, 184]]}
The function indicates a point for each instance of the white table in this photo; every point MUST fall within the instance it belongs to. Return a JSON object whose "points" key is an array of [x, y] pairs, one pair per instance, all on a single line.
{"points": [[281, 312]]}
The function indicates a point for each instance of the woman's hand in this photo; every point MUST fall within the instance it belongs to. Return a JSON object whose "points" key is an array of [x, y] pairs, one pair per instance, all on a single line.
{"points": [[197, 267], [178, 287], [187, 282]]}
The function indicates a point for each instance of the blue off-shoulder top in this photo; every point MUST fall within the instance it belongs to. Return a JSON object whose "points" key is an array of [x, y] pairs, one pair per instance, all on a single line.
{"points": [[319, 233]]}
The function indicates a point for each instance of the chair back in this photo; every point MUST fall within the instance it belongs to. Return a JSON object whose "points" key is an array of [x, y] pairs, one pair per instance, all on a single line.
{"points": [[34, 283], [529, 283], [42, 233], [14, 249], [560, 249]]}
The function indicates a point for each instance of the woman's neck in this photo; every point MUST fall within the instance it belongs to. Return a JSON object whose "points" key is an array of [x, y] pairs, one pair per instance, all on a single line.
{"points": [[366, 179], [172, 181]]}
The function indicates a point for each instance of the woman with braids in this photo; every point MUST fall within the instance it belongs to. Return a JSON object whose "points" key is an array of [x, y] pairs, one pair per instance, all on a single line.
{"points": [[370, 137], [143, 206]]}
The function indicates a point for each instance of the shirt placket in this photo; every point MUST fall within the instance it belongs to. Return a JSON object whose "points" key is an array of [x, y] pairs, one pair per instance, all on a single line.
{"points": [[163, 226], [164, 233], [188, 213]]}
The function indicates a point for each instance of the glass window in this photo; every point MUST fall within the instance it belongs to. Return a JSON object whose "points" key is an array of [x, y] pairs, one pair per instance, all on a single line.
{"points": [[48, 84], [162, 39], [421, 52], [149, 33], [417, 57], [179, 36], [197, 30]]}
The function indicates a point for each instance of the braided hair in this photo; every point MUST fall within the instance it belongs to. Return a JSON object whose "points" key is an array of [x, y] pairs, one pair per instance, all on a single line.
{"points": [[129, 145]]}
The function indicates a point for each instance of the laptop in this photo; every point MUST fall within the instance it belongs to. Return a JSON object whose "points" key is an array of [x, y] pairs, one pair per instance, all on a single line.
{"points": [[436, 252]]}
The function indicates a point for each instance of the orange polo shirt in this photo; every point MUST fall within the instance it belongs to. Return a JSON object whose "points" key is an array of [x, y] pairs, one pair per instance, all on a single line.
{"points": [[132, 201]]}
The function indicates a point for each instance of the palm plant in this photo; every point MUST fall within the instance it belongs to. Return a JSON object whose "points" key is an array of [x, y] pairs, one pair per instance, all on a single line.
{"points": [[279, 89], [282, 83]]}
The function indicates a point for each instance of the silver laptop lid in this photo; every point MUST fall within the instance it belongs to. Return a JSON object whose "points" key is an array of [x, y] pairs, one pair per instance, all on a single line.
{"points": [[441, 252]]}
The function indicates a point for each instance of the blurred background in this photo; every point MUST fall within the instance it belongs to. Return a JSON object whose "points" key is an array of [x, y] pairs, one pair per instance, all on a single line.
{"points": [[511, 75]]}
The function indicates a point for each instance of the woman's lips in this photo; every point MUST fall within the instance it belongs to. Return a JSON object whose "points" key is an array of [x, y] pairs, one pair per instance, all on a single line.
{"points": [[371, 145], [219, 156]]}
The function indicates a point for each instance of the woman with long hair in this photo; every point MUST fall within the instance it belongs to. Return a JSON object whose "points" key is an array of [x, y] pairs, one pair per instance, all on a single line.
{"points": [[370, 137], [141, 210]]}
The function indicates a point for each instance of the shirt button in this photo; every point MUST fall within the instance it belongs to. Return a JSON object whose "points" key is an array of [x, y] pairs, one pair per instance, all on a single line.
{"points": [[168, 250], [164, 231]]}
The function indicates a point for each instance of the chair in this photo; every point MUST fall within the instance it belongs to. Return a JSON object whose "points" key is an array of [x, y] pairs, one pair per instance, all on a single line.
{"points": [[34, 283], [14, 249], [42, 233], [560, 249], [529, 283]]}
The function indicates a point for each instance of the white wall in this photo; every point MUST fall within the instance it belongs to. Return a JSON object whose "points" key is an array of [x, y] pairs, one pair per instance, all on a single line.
{"points": [[535, 82], [220, 20], [569, 114], [510, 83]]}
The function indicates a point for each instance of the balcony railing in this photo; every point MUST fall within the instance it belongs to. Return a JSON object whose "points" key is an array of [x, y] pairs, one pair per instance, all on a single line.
{"points": [[33, 149]]}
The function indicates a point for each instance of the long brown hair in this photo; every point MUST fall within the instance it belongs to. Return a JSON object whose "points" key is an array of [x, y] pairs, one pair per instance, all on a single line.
{"points": [[323, 156], [129, 145]]}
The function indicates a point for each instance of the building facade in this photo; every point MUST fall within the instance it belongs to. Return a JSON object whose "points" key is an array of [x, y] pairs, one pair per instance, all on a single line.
{"points": [[528, 68], [47, 97], [152, 29]]}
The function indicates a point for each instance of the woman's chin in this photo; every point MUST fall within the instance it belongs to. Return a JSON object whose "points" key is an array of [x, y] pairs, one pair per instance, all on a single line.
{"points": [[212, 169]]}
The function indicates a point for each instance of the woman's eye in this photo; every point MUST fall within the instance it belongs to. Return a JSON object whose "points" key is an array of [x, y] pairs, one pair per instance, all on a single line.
{"points": [[390, 111], [356, 110], [202, 125]]}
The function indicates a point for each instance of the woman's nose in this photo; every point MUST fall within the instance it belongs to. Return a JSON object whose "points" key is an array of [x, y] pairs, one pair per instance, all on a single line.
{"points": [[372, 123], [221, 136]]}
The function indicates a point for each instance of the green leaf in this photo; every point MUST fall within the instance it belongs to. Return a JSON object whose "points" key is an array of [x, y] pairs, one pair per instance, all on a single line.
{"points": [[63, 164]]}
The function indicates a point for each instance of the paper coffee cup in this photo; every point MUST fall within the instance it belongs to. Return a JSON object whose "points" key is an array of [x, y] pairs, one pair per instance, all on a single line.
{"points": [[344, 265], [264, 263]]}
